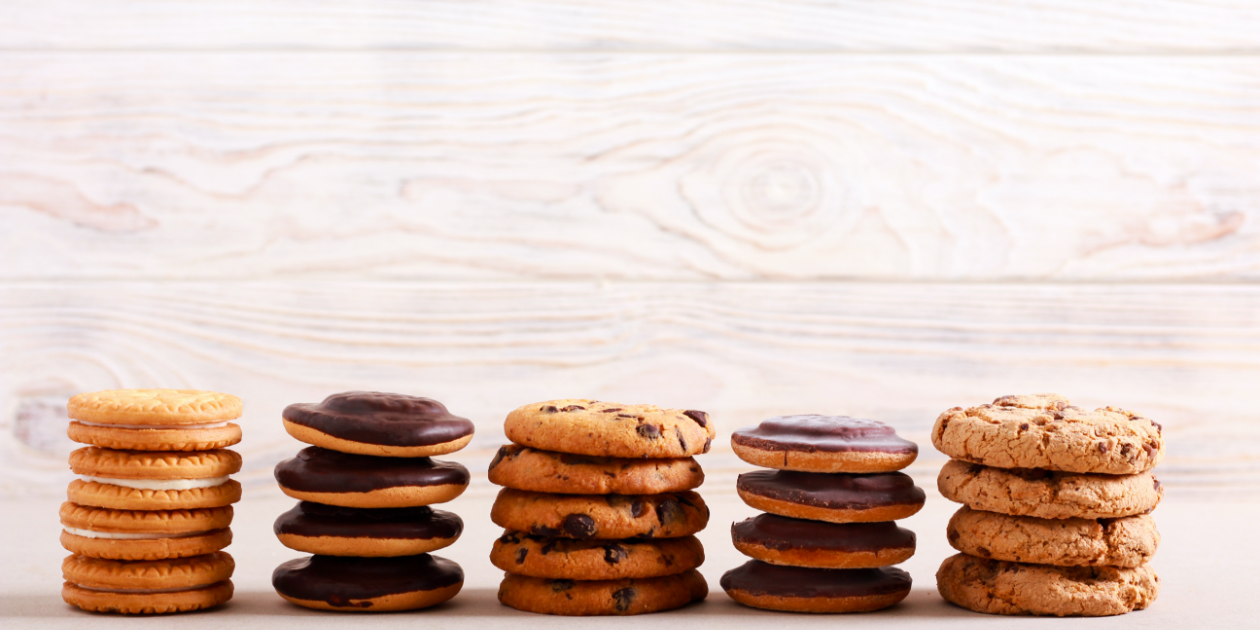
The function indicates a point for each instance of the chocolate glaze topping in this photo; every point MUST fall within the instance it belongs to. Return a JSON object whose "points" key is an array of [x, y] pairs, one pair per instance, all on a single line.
{"points": [[781, 533], [321, 470], [830, 434], [317, 519], [760, 578], [381, 418], [837, 491], [337, 580]]}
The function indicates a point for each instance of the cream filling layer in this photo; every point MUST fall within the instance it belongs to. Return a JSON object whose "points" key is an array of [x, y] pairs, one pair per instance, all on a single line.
{"points": [[87, 533], [160, 484], [142, 591], [160, 427]]}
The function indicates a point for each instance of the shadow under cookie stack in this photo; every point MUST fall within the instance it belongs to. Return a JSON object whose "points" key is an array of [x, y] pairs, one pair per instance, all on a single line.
{"points": [[828, 543], [150, 513], [365, 488], [598, 508], [1055, 507]]}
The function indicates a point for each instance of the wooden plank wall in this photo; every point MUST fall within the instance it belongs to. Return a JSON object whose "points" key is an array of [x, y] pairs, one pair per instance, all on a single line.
{"points": [[874, 208]]}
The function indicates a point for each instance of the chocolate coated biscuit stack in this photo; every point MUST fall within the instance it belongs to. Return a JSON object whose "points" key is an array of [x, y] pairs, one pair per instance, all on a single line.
{"points": [[829, 541], [1056, 501], [598, 508], [365, 489], [151, 510]]}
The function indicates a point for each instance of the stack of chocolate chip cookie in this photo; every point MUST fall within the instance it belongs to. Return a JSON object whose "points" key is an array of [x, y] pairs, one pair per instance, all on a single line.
{"points": [[365, 487], [598, 508], [149, 514], [829, 541], [1056, 501]]}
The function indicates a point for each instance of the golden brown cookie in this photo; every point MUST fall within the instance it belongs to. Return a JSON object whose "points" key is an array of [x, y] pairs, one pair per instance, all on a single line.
{"points": [[123, 498], [566, 558], [380, 424], [801, 589], [832, 497], [527, 468], [349, 584], [155, 419], [330, 477], [604, 429], [142, 480], [159, 586], [107, 463], [1010, 588], [1122, 542], [611, 516], [803, 543], [144, 535], [827, 444], [1044, 431], [1045, 494], [331, 530], [602, 597]]}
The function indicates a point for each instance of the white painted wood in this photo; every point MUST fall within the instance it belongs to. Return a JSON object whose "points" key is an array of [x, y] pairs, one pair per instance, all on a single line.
{"points": [[633, 166], [1187, 356], [844, 25]]}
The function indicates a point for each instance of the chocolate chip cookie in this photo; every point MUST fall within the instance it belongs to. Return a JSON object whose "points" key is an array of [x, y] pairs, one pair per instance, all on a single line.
{"points": [[527, 468], [566, 558], [1121, 542], [1010, 588], [1046, 494], [612, 516], [602, 597], [1045, 431], [605, 429]]}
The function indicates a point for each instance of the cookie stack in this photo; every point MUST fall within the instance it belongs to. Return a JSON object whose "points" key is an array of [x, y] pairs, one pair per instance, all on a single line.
{"points": [[598, 508], [829, 541], [150, 511], [364, 489], [1055, 507]]}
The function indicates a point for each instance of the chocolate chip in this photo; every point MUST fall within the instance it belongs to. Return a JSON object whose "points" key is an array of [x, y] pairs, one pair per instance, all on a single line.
{"points": [[560, 586], [1004, 401], [636, 509], [984, 552], [543, 530], [610, 474], [547, 548], [625, 415], [953, 535], [649, 431], [624, 598], [707, 443], [1023, 426], [614, 553], [574, 408], [549, 409], [681, 441], [1156, 484], [1102, 447], [580, 526], [614, 409], [1060, 405], [509, 539], [670, 511], [1149, 448], [700, 417], [1057, 415], [520, 555], [498, 457], [1158, 427], [1125, 448]]}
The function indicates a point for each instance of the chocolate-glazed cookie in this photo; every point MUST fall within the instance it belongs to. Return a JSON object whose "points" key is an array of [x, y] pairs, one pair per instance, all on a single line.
{"points": [[379, 424], [368, 584], [384, 532], [567, 558], [612, 516], [829, 444], [335, 478], [801, 543], [800, 589], [832, 497]]}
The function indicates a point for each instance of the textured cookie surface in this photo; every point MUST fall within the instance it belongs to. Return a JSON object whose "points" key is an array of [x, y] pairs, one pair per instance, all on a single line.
{"points": [[154, 406], [612, 516], [1070, 542], [827, 444], [144, 521], [158, 574], [527, 468], [602, 597], [115, 497], [559, 558], [147, 603], [1045, 431], [605, 429], [1045, 494], [148, 548], [1009, 588], [102, 462]]}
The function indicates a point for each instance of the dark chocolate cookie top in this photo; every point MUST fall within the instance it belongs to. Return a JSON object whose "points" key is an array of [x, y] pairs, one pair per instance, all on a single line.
{"points": [[381, 418], [316, 519], [339, 579], [318, 469], [831, 434], [760, 578], [781, 533], [836, 491]]}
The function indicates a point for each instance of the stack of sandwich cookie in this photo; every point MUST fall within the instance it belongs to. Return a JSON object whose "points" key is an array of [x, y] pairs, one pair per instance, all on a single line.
{"points": [[151, 510], [1056, 502], [598, 508], [829, 541], [365, 487]]}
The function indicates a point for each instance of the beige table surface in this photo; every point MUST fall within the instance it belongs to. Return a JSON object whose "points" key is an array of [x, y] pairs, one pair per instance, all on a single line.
{"points": [[1207, 565]]}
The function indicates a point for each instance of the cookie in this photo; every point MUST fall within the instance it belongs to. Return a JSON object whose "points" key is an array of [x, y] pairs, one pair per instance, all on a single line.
{"points": [[826, 444], [142, 480], [832, 497], [602, 597], [159, 586], [1046, 494], [380, 424], [800, 543], [611, 516], [800, 589], [604, 429], [527, 468], [368, 584], [383, 532], [566, 558], [335, 478], [1070, 542], [144, 535], [1044, 431], [1011, 588], [155, 419]]}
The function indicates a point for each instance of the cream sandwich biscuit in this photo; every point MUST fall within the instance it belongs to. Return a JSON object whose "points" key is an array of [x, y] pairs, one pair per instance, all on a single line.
{"points": [[155, 419]]}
